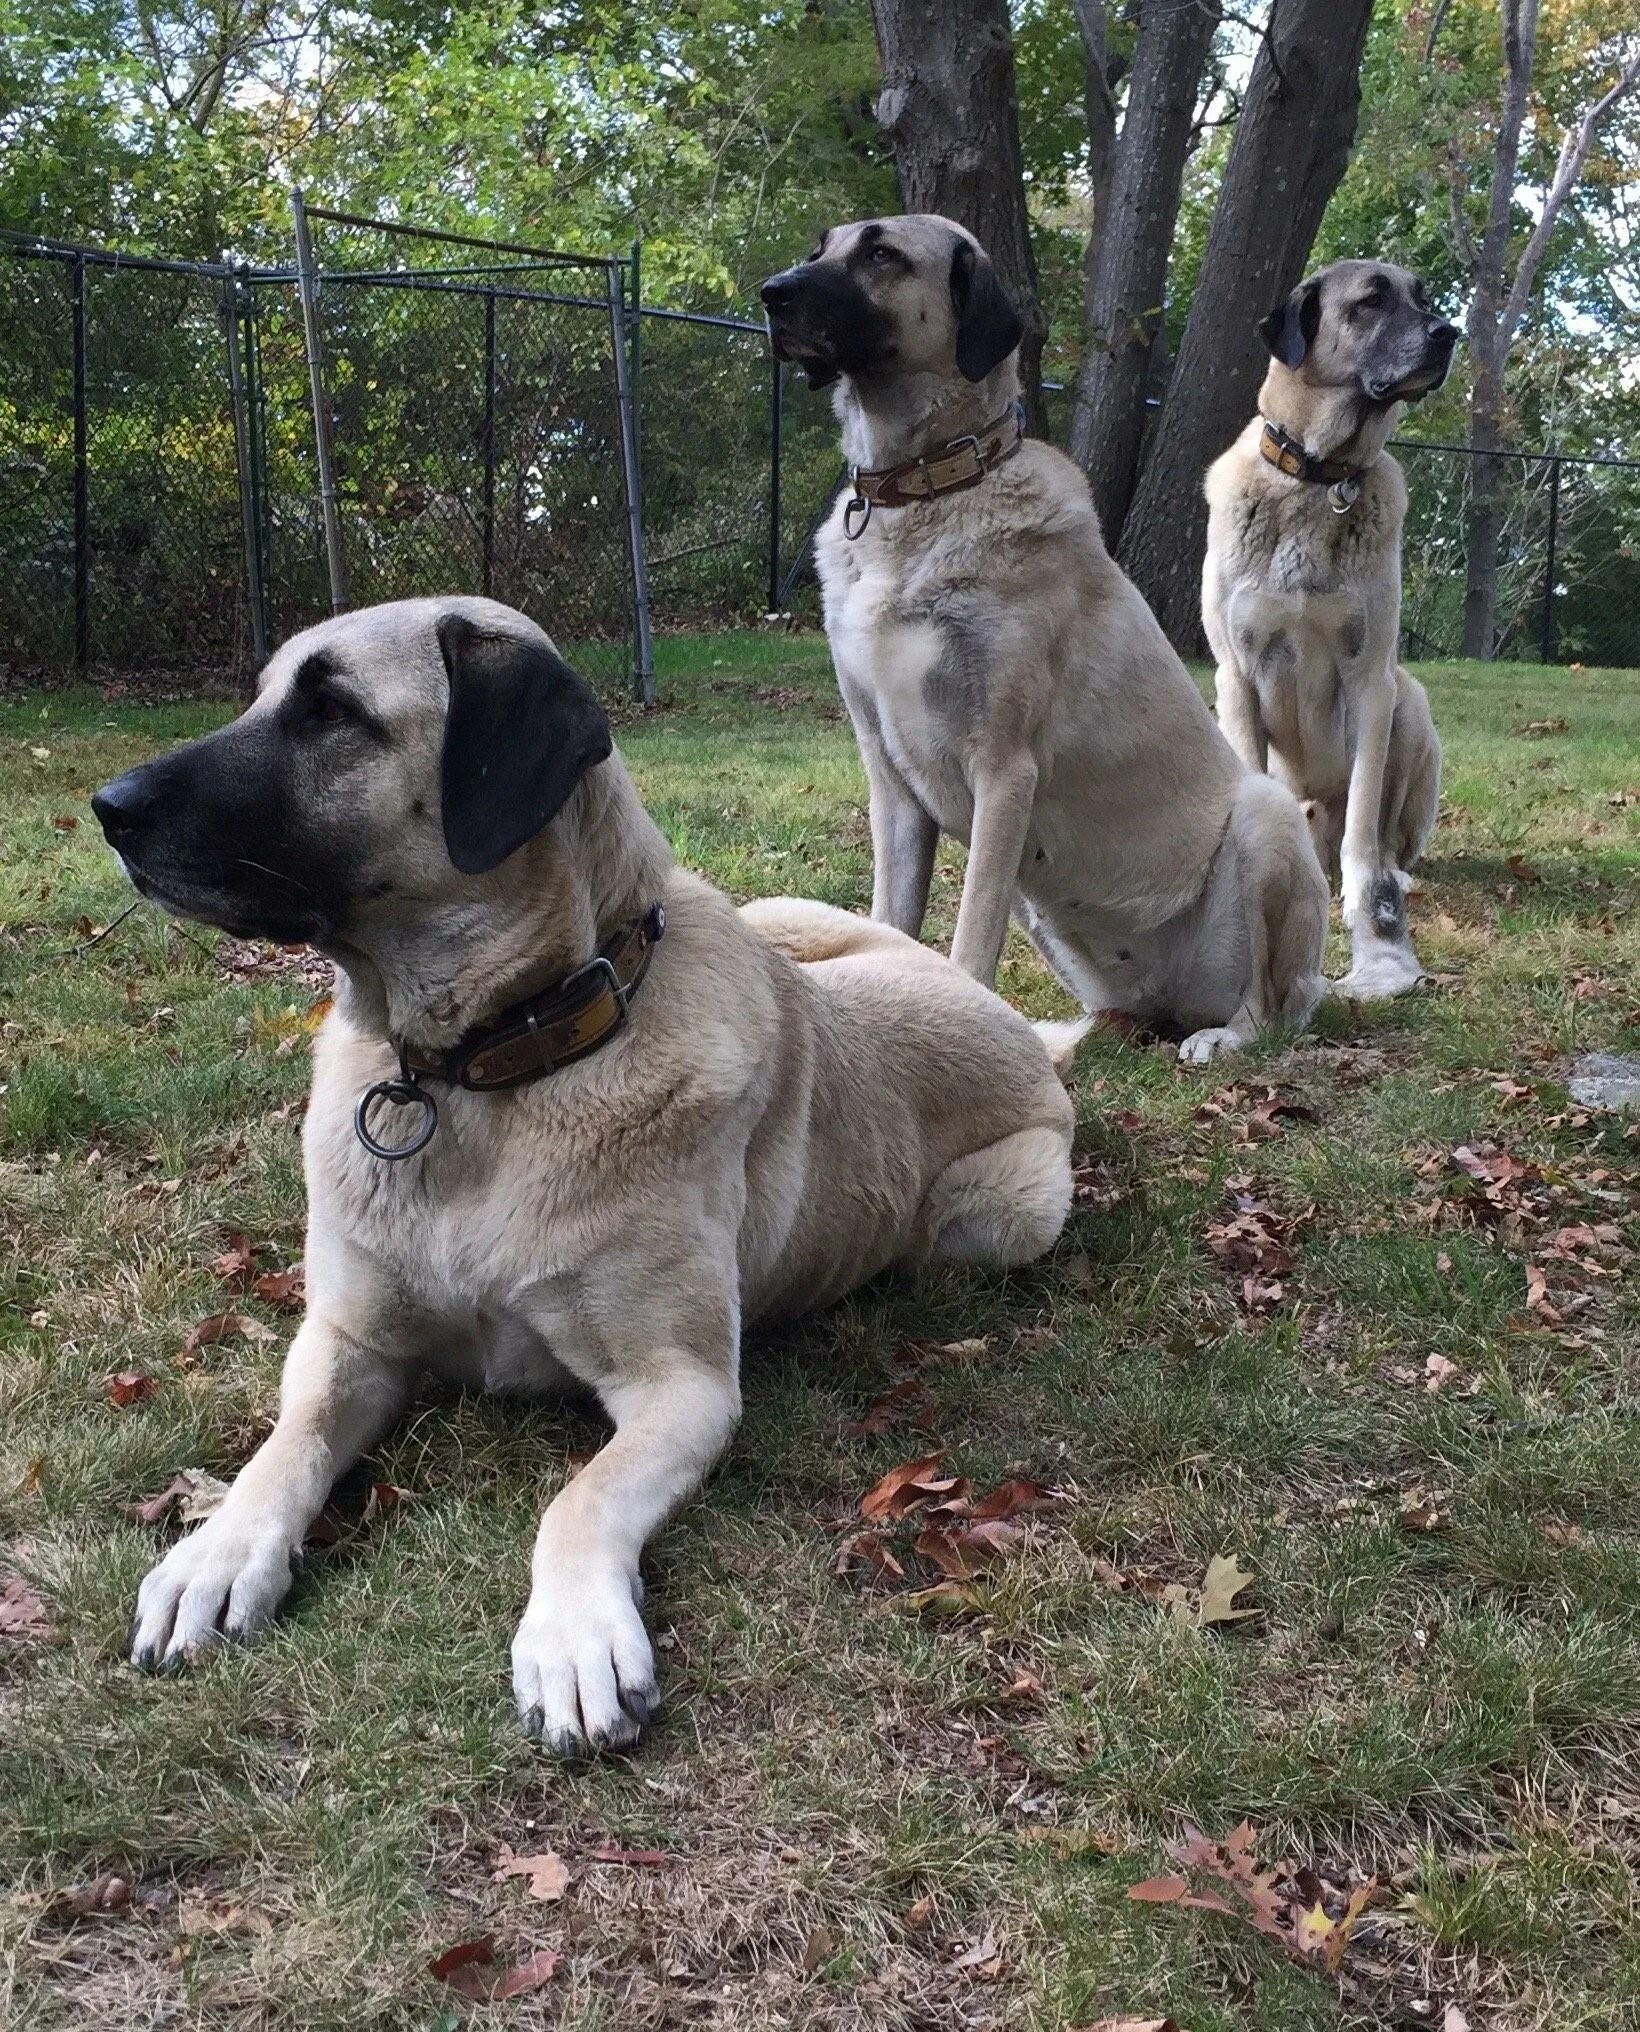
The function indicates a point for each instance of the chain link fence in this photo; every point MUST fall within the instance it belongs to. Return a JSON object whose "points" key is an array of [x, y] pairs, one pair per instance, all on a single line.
{"points": [[1568, 583], [508, 420]]}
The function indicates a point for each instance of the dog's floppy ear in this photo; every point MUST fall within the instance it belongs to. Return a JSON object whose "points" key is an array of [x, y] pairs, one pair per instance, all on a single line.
{"points": [[521, 732], [988, 326], [1289, 331]]}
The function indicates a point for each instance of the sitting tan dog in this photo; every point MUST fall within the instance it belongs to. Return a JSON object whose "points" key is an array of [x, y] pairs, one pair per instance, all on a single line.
{"points": [[1301, 593], [575, 1119], [1010, 687]]}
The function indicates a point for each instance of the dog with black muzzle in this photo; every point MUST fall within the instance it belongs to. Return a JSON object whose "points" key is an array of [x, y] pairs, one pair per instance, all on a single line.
{"points": [[575, 1119], [1008, 685], [1301, 593]]}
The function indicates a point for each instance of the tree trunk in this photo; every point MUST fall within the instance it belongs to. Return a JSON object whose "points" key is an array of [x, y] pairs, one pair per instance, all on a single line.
{"points": [[1292, 142], [1487, 343], [1128, 250], [949, 109], [1483, 520]]}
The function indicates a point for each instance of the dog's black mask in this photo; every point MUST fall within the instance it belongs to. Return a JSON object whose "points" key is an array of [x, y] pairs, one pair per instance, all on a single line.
{"points": [[819, 316], [247, 828], [216, 830]]}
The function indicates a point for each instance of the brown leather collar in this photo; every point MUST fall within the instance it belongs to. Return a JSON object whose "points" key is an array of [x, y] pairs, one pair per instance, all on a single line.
{"points": [[1287, 454], [563, 1023], [951, 468]]}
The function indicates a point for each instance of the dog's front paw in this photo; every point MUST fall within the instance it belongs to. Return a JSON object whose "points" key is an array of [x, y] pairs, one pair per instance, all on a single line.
{"points": [[1380, 972], [583, 1670], [224, 1581], [1203, 1045]]}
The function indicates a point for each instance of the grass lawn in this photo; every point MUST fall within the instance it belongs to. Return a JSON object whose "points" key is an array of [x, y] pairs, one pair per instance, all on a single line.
{"points": [[874, 1814]]}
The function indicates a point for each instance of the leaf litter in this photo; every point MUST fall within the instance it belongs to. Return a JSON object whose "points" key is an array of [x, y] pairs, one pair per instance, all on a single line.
{"points": [[1309, 1915], [956, 1534]]}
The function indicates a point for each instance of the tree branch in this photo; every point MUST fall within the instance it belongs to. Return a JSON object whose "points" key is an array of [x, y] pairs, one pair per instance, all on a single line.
{"points": [[1574, 154], [1437, 22]]}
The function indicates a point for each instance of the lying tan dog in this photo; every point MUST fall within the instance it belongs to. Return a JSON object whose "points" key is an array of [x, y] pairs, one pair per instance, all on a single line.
{"points": [[1301, 593], [548, 1144], [1010, 687]]}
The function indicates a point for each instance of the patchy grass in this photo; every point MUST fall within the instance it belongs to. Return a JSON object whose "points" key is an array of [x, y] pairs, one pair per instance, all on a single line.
{"points": [[852, 1798]]}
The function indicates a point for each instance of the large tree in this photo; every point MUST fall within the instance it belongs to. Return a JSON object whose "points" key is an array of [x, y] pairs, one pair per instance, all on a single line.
{"points": [[1136, 174], [1499, 300], [949, 110], [1292, 143]]}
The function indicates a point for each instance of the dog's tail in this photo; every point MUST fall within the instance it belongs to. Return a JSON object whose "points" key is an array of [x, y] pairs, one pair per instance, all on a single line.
{"points": [[1062, 1037]]}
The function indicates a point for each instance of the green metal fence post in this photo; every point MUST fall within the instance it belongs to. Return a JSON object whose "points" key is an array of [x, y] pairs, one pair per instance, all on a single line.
{"points": [[1548, 642], [256, 606], [82, 477]]}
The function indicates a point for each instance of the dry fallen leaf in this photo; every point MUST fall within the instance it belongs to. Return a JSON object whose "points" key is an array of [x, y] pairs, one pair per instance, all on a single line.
{"points": [[1308, 1917], [526, 1976], [286, 1288], [1129, 2025], [866, 1548], [237, 1263], [646, 1859], [220, 1326], [904, 1487], [100, 1899], [1159, 1890], [1423, 1511], [982, 1960], [130, 1386], [963, 1553], [193, 1495], [1223, 1581], [1537, 1298], [818, 1949], [1438, 1372], [548, 1873], [24, 1614], [919, 1916]]}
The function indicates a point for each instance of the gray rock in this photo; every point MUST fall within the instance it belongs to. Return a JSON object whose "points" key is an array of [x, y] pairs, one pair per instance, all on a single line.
{"points": [[1601, 1080]]}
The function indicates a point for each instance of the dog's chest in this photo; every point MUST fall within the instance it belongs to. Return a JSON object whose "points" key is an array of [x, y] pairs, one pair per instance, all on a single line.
{"points": [[900, 682]]}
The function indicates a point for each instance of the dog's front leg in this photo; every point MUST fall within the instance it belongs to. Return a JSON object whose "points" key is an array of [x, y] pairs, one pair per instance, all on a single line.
{"points": [[1241, 717], [903, 840], [1382, 961], [996, 846], [337, 1397], [583, 1670]]}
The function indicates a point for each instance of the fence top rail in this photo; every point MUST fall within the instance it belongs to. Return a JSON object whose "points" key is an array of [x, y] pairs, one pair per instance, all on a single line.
{"points": [[41, 247], [703, 317], [1422, 444], [548, 255]]}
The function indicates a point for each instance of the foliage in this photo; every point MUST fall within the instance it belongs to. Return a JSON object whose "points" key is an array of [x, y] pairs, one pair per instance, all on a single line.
{"points": [[1417, 188]]}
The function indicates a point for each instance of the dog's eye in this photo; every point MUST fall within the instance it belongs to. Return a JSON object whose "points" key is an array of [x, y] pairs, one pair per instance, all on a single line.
{"points": [[330, 709], [881, 256]]}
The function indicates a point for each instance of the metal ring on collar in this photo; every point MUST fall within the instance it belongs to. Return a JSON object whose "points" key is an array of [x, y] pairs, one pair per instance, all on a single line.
{"points": [[860, 506], [399, 1093]]}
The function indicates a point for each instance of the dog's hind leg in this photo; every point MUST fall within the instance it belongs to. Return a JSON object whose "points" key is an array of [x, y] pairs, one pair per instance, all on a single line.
{"points": [[1412, 789], [1004, 1204], [807, 931]]}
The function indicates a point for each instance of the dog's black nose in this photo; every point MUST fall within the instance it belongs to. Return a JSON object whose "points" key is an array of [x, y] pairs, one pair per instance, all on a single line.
{"points": [[121, 806], [779, 289]]}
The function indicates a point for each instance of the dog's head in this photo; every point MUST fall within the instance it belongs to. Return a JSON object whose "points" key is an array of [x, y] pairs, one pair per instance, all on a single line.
{"points": [[394, 757], [907, 295], [1362, 325]]}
